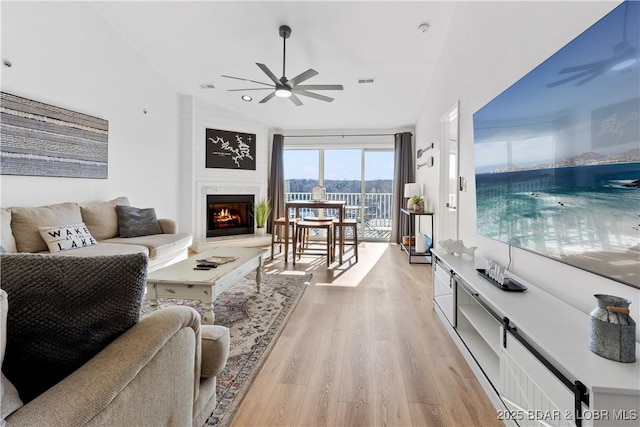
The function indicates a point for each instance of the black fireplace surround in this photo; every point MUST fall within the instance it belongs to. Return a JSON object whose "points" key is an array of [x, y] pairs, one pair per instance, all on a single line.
{"points": [[229, 214]]}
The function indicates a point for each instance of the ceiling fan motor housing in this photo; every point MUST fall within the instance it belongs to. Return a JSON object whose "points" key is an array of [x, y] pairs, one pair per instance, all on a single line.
{"points": [[285, 31]]}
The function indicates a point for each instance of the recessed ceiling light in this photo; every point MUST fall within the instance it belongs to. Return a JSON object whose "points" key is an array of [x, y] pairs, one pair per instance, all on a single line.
{"points": [[247, 98]]}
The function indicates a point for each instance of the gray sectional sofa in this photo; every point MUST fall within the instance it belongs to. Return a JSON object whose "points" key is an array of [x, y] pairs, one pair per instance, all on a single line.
{"points": [[21, 232], [96, 362]]}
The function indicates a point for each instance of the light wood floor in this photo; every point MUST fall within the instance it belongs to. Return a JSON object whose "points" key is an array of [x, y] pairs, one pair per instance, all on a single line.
{"points": [[365, 348]]}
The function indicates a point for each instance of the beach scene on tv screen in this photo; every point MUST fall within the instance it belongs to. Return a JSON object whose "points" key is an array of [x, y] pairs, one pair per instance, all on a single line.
{"points": [[557, 154]]}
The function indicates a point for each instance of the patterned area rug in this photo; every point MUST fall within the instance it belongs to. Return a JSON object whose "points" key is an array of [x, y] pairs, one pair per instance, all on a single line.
{"points": [[255, 322]]}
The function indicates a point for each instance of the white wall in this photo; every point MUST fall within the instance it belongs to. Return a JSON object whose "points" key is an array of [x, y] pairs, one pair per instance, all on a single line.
{"points": [[196, 115], [65, 54], [491, 45]]}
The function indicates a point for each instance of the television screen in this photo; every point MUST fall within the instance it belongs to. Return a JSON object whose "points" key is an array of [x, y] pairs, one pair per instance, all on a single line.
{"points": [[557, 154]]}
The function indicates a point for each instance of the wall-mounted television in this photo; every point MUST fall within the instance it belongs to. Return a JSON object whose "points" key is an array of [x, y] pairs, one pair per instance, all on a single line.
{"points": [[557, 154]]}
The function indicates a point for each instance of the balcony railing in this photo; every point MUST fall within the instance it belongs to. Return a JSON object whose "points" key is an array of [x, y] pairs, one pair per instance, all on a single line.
{"points": [[374, 224]]}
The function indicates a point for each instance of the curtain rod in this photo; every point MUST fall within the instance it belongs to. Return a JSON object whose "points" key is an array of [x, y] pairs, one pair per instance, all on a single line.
{"points": [[316, 136]]}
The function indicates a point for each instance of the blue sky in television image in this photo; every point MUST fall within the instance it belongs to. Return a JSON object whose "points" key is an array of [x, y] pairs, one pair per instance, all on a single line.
{"points": [[584, 99]]}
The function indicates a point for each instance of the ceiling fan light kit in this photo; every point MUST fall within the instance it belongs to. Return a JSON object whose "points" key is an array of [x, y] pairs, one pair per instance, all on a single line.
{"points": [[288, 88], [283, 92]]}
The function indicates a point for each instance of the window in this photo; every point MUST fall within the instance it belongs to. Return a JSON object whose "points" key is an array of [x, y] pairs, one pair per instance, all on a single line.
{"points": [[362, 177]]}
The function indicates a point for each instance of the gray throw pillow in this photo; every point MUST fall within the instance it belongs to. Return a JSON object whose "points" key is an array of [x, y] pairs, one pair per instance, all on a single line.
{"points": [[64, 311], [134, 222]]}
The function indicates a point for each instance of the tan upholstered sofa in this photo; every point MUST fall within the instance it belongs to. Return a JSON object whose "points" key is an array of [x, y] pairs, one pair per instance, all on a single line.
{"points": [[20, 232], [159, 370]]}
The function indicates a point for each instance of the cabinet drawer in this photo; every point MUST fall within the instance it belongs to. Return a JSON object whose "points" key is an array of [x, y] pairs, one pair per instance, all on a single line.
{"points": [[182, 291]]}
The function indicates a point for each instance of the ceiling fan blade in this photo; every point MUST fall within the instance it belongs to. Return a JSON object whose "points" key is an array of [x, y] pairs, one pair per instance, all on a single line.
{"points": [[295, 100], [313, 95], [247, 80], [268, 72], [253, 88], [303, 76], [319, 87], [268, 97]]}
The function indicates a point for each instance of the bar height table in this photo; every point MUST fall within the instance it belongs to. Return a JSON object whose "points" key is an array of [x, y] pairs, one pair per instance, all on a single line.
{"points": [[311, 204]]}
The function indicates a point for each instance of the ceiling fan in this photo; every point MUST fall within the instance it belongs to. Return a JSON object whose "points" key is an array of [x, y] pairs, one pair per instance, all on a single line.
{"points": [[284, 87], [624, 56]]}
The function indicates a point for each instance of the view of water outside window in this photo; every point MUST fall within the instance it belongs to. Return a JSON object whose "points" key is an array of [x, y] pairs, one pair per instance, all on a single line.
{"points": [[362, 178]]}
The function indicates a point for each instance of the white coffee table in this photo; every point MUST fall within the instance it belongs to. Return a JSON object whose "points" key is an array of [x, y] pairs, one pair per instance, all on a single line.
{"points": [[180, 280]]}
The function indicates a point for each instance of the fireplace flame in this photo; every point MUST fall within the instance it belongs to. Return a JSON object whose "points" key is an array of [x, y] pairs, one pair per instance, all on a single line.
{"points": [[225, 215]]}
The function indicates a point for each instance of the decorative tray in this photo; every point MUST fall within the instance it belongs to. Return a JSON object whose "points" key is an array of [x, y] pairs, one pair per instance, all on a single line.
{"points": [[510, 285]]}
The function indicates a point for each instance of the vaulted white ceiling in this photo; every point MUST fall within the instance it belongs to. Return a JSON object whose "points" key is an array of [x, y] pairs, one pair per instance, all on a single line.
{"points": [[195, 43]]}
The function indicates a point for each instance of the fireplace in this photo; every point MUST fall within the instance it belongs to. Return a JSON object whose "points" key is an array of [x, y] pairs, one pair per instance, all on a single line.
{"points": [[229, 214]]}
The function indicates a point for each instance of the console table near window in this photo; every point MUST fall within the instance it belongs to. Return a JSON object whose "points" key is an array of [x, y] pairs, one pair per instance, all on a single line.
{"points": [[408, 220]]}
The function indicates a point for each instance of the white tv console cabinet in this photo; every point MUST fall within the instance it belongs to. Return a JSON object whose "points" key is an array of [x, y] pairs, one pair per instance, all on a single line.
{"points": [[530, 351]]}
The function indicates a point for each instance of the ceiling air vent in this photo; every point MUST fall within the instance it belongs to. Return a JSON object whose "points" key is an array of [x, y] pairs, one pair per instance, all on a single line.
{"points": [[207, 86], [366, 81]]}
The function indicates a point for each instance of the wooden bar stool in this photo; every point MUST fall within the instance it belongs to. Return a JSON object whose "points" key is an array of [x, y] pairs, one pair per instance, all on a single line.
{"points": [[347, 223], [302, 230], [305, 236], [278, 229]]}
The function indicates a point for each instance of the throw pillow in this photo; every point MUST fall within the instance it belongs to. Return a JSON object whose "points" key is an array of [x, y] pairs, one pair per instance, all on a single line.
{"points": [[64, 311], [66, 237], [102, 219], [25, 223], [134, 222]]}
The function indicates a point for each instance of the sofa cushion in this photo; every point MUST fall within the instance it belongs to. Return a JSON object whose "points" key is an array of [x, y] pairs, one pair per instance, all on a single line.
{"points": [[25, 223], [64, 310], [7, 242], [134, 222], [102, 219], [105, 249], [66, 237], [159, 245], [9, 399]]}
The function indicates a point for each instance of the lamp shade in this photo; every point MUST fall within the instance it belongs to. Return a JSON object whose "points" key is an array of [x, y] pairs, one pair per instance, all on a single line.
{"points": [[412, 189]]}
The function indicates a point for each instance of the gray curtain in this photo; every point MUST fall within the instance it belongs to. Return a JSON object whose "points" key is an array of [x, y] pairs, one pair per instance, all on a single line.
{"points": [[403, 173], [275, 190]]}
